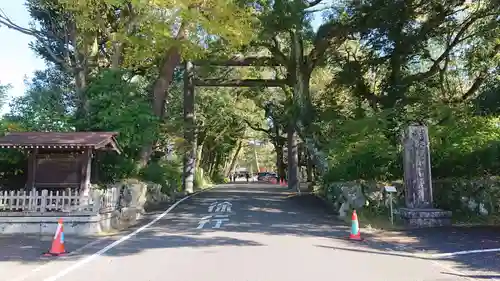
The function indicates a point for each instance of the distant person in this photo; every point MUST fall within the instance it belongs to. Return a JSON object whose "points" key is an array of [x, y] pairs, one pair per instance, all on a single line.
{"points": [[247, 176]]}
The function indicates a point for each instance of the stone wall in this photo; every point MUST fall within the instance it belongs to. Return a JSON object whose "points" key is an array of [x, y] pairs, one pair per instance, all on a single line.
{"points": [[74, 224], [136, 198], [471, 197]]}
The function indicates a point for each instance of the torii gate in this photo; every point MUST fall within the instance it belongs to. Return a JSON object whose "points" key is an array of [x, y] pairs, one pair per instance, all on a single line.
{"points": [[190, 82]]}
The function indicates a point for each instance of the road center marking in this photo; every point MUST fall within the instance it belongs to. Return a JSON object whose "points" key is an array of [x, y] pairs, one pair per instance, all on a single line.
{"points": [[221, 207], [219, 222], [88, 259], [219, 214], [202, 223]]}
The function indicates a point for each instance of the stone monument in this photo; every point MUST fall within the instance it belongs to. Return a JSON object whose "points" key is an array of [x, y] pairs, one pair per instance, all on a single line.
{"points": [[419, 211]]}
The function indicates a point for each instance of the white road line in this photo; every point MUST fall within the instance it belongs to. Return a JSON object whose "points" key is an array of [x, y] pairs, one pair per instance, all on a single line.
{"points": [[452, 270], [49, 262], [452, 254], [439, 263], [88, 259]]}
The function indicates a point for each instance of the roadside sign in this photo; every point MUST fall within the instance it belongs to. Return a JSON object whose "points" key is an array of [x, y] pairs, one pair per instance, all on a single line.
{"points": [[390, 188]]}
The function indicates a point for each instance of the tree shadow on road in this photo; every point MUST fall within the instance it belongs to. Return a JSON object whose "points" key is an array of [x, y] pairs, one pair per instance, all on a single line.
{"points": [[271, 211], [476, 276], [267, 210], [413, 256], [446, 244], [274, 213], [146, 240], [432, 242]]}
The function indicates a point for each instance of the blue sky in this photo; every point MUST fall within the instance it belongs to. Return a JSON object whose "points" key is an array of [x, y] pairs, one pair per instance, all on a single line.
{"points": [[17, 61]]}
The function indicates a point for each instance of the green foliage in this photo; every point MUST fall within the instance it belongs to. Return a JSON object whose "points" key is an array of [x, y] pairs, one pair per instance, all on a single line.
{"points": [[463, 146], [13, 163], [119, 103], [361, 151], [219, 178], [463, 196], [488, 100], [199, 178], [467, 146], [375, 67], [166, 173], [4, 89], [47, 103]]}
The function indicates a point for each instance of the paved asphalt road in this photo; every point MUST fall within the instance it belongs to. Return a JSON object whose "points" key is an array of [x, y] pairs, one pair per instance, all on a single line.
{"points": [[262, 234]]}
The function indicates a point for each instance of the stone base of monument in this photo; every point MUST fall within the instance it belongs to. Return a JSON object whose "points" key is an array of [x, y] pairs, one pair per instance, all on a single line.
{"points": [[425, 217]]}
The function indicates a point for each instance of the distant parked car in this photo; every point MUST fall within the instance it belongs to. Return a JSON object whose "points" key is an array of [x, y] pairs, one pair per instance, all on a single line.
{"points": [[261, 176], [266, 176]]}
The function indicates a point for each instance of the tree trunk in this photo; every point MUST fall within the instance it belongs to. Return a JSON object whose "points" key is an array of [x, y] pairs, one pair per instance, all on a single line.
{"points": [[212, 161], [278, 146], [189, 130], [80, 76], [256, 157], [280, 165], [309, 171], [199, 154], [302, 102], [234, 158], [218, 161], [160, 87], [293, 158]]}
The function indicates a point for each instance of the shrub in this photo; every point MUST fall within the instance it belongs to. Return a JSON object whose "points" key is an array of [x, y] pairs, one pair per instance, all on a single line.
{"points": [[168, 174]]}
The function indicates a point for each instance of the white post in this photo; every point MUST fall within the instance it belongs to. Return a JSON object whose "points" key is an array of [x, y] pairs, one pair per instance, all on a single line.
{"points": [[390, 207], [390, 190]]}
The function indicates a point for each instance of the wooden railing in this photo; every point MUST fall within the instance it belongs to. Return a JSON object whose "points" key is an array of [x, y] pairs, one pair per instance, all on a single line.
{"points": [[67, 201], [109, 199]]}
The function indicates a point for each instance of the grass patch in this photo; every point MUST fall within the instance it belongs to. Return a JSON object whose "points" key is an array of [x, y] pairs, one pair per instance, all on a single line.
{"points": [[378, 221], [368, 219]]}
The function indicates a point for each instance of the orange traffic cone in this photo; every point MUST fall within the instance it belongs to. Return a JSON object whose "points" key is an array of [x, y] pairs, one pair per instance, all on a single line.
{"points": [[355, 233], [57, 247]]}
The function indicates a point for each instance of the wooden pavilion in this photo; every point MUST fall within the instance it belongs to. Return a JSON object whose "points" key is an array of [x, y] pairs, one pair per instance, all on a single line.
{"points": [[60, 160]]}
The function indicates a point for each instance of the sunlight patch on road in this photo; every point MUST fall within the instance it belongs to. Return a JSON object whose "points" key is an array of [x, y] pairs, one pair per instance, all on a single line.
{"points": [[285, 225], [269, 210]]}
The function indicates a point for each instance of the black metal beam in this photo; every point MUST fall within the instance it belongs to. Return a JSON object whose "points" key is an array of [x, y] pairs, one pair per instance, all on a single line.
{"points": [[240, 82], [240, 61]]}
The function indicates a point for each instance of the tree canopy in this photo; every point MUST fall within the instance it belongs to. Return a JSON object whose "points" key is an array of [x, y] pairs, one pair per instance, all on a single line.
{"points": [[352, 84]]}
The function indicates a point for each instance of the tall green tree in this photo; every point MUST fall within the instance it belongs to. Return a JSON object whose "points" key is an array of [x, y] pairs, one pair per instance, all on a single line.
{"points": [[4, 90], [48, 103]]}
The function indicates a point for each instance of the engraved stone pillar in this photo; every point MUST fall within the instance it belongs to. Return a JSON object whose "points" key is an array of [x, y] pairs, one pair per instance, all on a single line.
{"points": [[417, 168], [419, 211]]}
